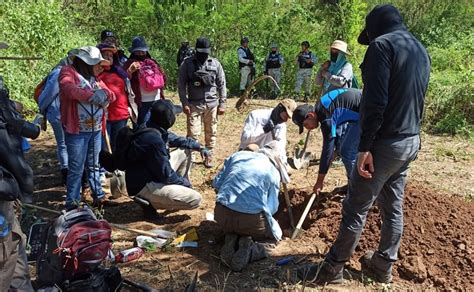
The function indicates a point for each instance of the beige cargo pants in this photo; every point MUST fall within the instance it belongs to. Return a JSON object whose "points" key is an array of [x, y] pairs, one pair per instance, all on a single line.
{"points": [[14, 274], [173, 197], [207, 116], [245, 78]]}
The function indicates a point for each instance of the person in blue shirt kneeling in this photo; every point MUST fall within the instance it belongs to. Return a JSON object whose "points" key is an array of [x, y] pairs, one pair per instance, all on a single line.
{"points": [[247, 197]]}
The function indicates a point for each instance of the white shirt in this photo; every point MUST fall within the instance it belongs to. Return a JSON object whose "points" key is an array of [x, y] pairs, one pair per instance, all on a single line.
{"points": [[253, 133], [149, 96]]}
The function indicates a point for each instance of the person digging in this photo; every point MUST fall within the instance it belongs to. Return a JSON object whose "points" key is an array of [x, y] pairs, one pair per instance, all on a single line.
{"points": [[247, 198], [338, 114]]}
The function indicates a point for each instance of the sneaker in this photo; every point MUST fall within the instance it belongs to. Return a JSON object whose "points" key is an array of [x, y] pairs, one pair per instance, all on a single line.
{"points": [[241, 257], [368, 267], [228, 249], [320, 273], [208, 162]]}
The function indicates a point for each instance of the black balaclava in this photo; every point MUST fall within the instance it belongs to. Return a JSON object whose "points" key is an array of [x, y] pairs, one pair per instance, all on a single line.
{"points": [[334, 55], [275, 116], [202, 57], [203, 48], [82, 68], [274, 50]]}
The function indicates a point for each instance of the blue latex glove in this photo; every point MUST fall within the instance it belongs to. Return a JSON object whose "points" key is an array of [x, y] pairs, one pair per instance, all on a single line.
{"points": [[205, 152]]}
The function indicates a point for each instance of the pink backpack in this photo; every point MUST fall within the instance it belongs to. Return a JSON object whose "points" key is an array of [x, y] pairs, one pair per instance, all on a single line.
{"points": [[150, 76]]}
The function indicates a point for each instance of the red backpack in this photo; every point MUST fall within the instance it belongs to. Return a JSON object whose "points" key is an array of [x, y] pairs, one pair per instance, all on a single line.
{"points": [[150, 76], [74, 244]]}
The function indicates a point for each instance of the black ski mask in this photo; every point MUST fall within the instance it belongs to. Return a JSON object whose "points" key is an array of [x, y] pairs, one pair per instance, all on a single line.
{"points": [[275, 118], [334, 56], [201, 57]]}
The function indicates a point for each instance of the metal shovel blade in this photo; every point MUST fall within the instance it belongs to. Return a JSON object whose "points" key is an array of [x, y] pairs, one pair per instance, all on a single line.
{"points": [[300, 161], [118, 187]]}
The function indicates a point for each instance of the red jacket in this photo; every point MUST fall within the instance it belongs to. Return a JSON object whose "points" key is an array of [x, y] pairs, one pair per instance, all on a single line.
{"points": [[117, 110], [71, 94], [134, 79]]}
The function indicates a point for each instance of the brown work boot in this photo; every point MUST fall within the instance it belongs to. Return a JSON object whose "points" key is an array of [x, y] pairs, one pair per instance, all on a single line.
{"points": [[229, 247], [208, 162], [241, 257]]}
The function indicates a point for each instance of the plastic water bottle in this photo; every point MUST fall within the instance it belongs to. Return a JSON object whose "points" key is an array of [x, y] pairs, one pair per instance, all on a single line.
{"points": [[129, 255]]}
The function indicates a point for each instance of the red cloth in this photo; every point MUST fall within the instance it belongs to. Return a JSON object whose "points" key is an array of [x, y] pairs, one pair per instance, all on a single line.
{"points": [[117, 110], [71, 94], [135, 81]]}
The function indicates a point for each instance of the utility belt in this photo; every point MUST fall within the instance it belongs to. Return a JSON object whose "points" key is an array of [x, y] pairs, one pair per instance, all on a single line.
{"points": [[273, 64], [242, 65]]}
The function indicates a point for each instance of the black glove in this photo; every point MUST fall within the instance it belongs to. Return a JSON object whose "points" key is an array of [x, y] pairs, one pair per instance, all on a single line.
{"points": [[269, 126]]}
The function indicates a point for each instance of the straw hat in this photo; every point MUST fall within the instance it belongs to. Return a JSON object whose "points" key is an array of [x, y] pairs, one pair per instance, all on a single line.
{"points": [[289, 105], [341, 46]]}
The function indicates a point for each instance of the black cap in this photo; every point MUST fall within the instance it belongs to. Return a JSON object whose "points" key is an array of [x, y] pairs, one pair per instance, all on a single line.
{"points": [[305, 43], [379, 19], [300, 114], [162, 113], [203, 45], [106, 34], [244, 40]]}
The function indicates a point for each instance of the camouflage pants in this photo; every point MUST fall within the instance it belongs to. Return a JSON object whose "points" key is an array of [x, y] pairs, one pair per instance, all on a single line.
{"points": [[303, 76]]}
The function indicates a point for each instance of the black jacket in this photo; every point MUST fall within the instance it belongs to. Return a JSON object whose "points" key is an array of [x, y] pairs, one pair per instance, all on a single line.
{"points": [[395, 72], [148, 159]]}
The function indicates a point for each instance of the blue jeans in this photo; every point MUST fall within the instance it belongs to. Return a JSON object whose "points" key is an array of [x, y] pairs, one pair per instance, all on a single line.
{"points": [[83, 150], [113, 127], [53, 117], [347, 143], [144, 113], [392, 158]]}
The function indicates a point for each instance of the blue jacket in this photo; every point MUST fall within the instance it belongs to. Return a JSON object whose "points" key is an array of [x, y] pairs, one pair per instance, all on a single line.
{"points": [[249, 183], [148, 159], [333, 109]]}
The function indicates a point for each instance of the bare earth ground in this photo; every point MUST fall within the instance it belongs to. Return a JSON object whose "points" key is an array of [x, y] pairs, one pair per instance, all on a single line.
{"points": [[436, 251]]}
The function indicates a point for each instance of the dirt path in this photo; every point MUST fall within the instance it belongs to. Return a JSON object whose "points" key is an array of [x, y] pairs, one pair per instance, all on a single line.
{"points": [[436, 249]]}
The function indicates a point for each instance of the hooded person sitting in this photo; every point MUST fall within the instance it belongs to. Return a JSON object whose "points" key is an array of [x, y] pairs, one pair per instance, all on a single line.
{"points": [[247, 198], [155, 173], [265, 125]]}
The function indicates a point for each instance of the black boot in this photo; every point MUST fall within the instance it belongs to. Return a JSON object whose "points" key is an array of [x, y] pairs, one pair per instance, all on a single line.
{"points": [[149, 213]]}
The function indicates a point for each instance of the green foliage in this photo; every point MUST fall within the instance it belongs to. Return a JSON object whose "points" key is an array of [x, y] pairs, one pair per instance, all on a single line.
{"points": [[39, 29], [50, 28]]}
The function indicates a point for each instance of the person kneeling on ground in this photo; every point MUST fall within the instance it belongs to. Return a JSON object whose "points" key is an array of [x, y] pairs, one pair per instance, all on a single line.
{"points": [[247, 197], [153, 173]]}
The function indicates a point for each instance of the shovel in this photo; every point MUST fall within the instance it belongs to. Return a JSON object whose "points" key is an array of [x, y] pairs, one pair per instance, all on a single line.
{"points": [[297, 230], [117, 181], [301, 158]]}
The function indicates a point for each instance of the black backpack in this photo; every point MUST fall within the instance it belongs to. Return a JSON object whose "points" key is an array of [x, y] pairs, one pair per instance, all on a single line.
{"points": [[100, 280]]}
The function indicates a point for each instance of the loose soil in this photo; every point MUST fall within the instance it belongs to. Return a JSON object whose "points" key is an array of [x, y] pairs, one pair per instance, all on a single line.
{"points": [[436, 250]]}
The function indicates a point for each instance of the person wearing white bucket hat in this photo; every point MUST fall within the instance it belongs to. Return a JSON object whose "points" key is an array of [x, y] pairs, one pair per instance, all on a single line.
{"points": [[83, 100], [337, 71]]}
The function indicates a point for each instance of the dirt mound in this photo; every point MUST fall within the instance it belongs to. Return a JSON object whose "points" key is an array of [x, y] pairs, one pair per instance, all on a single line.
{"points": [[436, 247]]}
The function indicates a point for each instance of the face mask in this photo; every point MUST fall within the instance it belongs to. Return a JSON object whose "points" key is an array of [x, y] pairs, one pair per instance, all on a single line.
{"points": [[201, 57], [274, 51], [140, 58], [334, 56]]}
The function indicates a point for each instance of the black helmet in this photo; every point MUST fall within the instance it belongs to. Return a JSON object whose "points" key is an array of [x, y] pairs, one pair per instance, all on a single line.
{"points": [[244, 40], [305, 43], [203, 45]]}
